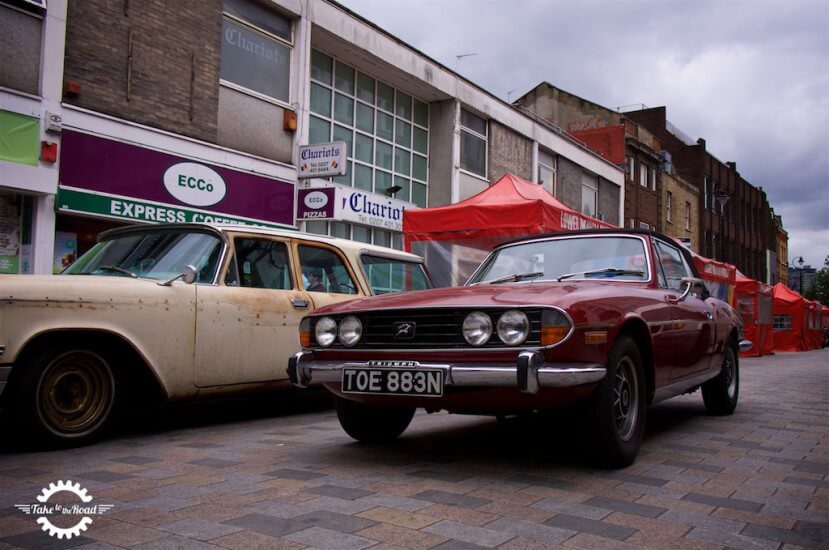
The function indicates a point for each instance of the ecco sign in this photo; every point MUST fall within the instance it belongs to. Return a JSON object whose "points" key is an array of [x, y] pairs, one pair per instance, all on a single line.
{"points": [[315, 200], [194, 184], [351, 205]]}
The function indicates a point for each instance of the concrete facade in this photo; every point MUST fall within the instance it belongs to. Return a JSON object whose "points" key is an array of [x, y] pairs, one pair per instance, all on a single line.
{"points": [[152, 78]]}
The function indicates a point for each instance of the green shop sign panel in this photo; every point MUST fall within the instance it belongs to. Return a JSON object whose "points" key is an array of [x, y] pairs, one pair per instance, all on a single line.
{"points": [[113, 206]]}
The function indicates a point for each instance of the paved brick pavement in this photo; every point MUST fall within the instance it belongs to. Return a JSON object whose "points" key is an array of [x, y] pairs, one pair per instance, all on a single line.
{"points": [[237, 475]]}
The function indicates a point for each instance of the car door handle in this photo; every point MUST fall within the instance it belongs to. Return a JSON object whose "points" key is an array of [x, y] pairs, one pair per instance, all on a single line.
{"points": [[710, 315], [299, 303]]}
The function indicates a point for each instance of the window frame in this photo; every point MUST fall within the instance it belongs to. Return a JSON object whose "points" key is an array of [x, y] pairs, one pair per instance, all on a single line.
{"points": [[553, 169], [475, 135], [593, 186], [397, 118], [687, 215], [669, 198], [270, 36]]}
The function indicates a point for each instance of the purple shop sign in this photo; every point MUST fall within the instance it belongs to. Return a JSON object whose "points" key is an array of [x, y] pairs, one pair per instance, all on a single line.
{"points": [[105, 166], [315, 203]]}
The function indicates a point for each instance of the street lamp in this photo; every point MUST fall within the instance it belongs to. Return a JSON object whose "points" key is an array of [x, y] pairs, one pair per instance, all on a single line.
{"points": [[799, 260], [721, 196]]}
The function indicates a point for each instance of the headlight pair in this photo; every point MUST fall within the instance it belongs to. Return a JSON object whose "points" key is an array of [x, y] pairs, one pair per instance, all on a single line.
{"points": [[512, 328], [349, 330]]}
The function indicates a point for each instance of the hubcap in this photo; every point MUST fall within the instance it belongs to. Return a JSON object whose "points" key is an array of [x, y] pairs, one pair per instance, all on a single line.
{"points": [[730, 374], [75, 393], [625, 398]]}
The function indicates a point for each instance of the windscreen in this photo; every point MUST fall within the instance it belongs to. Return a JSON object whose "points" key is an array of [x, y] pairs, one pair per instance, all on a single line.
{"points": [[620, 258], [159, 255]]}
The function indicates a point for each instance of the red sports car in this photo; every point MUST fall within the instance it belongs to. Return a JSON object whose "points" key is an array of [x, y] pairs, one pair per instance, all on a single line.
{"points": [[613, 319]]}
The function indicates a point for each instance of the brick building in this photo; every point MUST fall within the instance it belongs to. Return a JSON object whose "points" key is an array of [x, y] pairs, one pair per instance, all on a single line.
{"points": [[735, 222], [145, 92], [623, 143]]}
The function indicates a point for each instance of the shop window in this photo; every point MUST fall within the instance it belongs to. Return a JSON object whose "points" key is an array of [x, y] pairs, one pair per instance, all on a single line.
{"points": [[16, 235], [387, 130], [19, 138], [781, 323], [256, 49], [473, 143]]}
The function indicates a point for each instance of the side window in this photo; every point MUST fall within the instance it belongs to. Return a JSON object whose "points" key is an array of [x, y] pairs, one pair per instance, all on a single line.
{"points": [[672, 267], [263, 264], [324, 271]]}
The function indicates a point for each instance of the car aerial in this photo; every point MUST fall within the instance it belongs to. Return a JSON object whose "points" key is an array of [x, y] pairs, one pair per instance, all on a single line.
{"points": [[174, 310], [609, 321]]}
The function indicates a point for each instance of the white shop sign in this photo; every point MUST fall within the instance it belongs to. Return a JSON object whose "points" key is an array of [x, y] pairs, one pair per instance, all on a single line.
{"points": [[322, 160]]}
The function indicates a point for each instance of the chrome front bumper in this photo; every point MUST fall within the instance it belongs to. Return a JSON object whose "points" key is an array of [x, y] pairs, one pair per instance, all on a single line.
{"points": [[529, 373]]}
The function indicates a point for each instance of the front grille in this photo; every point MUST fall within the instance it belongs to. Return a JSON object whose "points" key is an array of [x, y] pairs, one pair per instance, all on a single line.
{"points": [[435, 328]]}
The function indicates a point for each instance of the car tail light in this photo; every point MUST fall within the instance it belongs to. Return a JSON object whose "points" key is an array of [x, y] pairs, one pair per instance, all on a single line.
{"points": [[555, 327]]}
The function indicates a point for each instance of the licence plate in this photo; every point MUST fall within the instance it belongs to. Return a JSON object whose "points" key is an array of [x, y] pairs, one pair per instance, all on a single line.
{"points": [[421, 381]]}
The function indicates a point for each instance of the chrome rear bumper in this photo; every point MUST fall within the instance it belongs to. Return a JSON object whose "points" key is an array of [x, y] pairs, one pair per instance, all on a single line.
{"points": [[745, 345], [529, 373]]}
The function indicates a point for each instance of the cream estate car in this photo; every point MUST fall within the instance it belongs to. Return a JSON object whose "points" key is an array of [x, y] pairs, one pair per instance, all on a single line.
{"points": [[181, 310]]}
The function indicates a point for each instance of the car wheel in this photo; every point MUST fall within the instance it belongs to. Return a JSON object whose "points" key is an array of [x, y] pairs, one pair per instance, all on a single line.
{"points": [[720, 394], [372, 424], [67, 396], [617, 407]]}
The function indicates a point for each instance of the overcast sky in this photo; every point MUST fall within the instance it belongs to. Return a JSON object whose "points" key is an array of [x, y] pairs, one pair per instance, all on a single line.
{"points": [[750, 77]]}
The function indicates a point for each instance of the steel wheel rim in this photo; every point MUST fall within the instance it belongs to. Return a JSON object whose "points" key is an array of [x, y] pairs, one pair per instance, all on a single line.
{"points": [[625, 398], [730, 373], [75, 393]]}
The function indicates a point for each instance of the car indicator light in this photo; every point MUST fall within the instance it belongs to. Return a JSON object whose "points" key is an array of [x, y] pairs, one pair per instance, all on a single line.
{"points": [[555, 327]]}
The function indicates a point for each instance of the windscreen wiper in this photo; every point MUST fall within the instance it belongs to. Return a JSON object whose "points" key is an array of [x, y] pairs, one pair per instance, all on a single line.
{"points": [[606, 271], [513, 277], [118, 269]]}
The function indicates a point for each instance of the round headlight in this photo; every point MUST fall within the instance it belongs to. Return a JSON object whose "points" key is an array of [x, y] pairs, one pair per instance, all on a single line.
{"points": [[325, 331], [477, 328], [350, 331], [513, 327]]}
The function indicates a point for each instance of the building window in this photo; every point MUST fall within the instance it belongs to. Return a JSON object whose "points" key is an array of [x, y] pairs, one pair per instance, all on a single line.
{"points": [[386, 130], [589, 194], [643, 175], [669, 205], [355, 232], [687, 216], [256, 49], [643, 225], [631, 167], [547, 171], [473, 143], [706, 199], [782, 323], [652, 178]]}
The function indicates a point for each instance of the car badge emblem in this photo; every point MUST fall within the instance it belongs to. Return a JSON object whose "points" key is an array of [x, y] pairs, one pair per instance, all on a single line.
{"points": [[404, 330]]}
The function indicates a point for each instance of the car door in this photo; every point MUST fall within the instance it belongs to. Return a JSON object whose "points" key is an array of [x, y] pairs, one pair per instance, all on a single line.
{"points": [[247, 326], [693, 325], [325, 273]]}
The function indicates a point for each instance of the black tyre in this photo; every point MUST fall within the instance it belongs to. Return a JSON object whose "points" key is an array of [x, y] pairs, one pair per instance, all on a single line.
{"points": [[617, 407], [66, 396], [720, 394], [372, 424]]}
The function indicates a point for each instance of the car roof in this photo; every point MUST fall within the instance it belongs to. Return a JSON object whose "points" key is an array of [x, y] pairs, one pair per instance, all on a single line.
{"points": [[223, 228]]}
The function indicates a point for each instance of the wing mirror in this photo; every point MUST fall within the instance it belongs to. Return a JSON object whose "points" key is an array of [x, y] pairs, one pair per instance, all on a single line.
{"points": [[690, 284], [188, 275]]}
